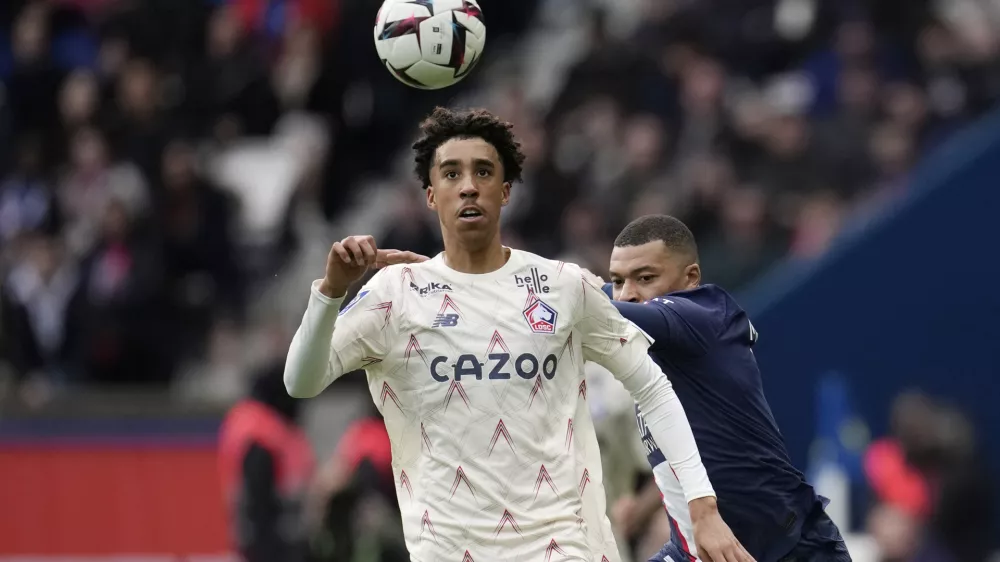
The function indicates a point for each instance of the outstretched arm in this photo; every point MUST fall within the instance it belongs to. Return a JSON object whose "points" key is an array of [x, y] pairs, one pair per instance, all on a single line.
{"points": [[321, 351], [331, 342], [615, 343]]}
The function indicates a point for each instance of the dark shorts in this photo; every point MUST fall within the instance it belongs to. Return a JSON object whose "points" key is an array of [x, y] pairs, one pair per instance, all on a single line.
{"points": [[670, 553], [820, 542]]}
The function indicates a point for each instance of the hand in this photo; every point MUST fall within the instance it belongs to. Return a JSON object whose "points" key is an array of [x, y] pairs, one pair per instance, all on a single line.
{"points": [[346, 263], [392, 257], [713, 538]]}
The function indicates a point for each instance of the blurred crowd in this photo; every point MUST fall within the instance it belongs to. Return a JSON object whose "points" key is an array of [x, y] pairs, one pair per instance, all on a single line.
{"points": [[172, 173], [933, 497], [160, 161], [764, 124], [172, 170]]}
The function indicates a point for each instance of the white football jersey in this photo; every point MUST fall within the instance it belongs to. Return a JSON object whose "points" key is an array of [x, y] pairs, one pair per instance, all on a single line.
{"points": [[481, 382]]}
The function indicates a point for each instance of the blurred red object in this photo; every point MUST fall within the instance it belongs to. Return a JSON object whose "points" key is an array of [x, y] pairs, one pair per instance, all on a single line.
{"points": [[319, 13], [251, 422], [105, 499], [894, 481], [367, 439]]}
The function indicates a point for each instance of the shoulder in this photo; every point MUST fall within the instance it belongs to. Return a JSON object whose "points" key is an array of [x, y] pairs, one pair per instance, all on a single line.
{"points": [[710, 310], [706, 307], [543, 264], [395, 279], [384, 286]]}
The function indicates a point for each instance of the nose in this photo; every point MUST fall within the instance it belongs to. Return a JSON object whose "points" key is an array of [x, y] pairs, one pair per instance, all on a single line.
{"points": [[468, 189], [629, 293]]}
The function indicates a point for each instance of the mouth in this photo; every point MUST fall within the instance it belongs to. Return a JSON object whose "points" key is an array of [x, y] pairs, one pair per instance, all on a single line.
{"points": [[470, 214]]}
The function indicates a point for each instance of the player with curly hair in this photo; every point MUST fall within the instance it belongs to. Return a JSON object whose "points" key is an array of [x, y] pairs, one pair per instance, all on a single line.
{"points": [[475, 359]]}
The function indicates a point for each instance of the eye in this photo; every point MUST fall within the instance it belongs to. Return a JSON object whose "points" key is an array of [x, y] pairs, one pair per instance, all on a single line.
{"points": [[616, 282], [451, 175], [483, 173], [646, 278]]}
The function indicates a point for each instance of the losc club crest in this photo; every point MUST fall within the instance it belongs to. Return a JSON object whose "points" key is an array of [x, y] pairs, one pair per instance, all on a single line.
{"points": [[541, 317]]}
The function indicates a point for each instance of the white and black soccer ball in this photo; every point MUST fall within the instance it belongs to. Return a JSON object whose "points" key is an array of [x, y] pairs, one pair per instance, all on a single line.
{"points": [[430, 44]]}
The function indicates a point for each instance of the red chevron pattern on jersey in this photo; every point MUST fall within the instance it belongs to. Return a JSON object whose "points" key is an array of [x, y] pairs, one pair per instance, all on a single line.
{"points": [[501, 431], [543, 476], [507, 519], [461, 478]]}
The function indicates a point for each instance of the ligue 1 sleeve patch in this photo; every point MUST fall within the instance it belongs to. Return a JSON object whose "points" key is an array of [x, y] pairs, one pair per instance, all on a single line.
{"points": [[354, 301], [540, 316]]}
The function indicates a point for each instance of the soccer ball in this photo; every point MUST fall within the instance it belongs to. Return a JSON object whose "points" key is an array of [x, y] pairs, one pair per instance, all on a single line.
{"points": [[430, 44]]}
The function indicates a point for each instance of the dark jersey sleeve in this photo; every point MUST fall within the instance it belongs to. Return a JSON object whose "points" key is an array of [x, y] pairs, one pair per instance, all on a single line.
{"points": [[686, 331]]}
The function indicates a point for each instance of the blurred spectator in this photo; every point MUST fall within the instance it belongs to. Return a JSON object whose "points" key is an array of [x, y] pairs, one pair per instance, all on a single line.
{"points": [[195, 221], [34, 80], [27, 202], [353, 509], [934, 501], [42, 311], [266, 464], [123, 282]]}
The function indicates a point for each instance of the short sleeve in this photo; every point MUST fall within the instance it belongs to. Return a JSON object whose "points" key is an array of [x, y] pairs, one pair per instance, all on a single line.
{"points": [[676, 326]]}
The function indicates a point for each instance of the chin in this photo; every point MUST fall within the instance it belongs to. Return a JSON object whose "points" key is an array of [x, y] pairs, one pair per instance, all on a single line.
{"points": [[476, 232]]}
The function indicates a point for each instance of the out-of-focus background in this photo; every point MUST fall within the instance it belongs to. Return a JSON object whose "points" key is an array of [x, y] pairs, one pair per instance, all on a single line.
{"points": [[172, 173]]}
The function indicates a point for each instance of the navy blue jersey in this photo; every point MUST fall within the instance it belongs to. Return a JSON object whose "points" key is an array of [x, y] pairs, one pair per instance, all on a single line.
{"points": [[703, 342]]}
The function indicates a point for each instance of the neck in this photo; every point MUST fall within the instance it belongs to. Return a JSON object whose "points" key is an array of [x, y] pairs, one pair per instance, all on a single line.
{"points": [[480, 258]]}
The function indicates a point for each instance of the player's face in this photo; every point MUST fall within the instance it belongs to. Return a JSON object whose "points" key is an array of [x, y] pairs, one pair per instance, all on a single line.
{"points": [[467, 189], [641, 273]]}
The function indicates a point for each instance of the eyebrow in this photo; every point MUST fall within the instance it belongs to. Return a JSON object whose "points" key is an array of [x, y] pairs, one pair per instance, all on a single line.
{"points": [[636, 271], [475, 161]]}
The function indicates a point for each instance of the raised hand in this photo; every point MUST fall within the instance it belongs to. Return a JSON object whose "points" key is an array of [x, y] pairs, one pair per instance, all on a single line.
{"points": [[346, 263]]}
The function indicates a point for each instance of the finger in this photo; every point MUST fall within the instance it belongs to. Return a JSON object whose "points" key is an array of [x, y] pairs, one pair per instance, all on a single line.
{"points": [[370, 240], [746, 556], [729, 554], [352, 246], [736, 553], [705, 555], [368, 252], [341, 252], [393, 257]]}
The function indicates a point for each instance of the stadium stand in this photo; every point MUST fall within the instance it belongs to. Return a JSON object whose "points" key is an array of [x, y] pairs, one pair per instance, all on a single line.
{"points": [[170, 172]]}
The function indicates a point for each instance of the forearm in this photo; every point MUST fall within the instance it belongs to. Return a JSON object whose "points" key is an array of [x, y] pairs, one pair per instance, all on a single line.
{"points": [[668, 424], [308, 367]]}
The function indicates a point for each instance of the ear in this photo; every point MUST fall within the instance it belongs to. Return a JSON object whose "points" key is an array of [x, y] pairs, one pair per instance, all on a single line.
{"points": [[431, 204], [505, 194], [692, 276]]}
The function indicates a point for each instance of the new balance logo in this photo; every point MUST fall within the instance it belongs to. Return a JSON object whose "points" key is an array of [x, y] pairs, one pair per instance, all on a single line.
{"points": [[445, 321], [533, 281], [430, 288]]}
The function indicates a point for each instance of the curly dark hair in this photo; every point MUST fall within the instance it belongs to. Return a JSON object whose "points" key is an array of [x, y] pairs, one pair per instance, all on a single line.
{"points": [[445, 124]]}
